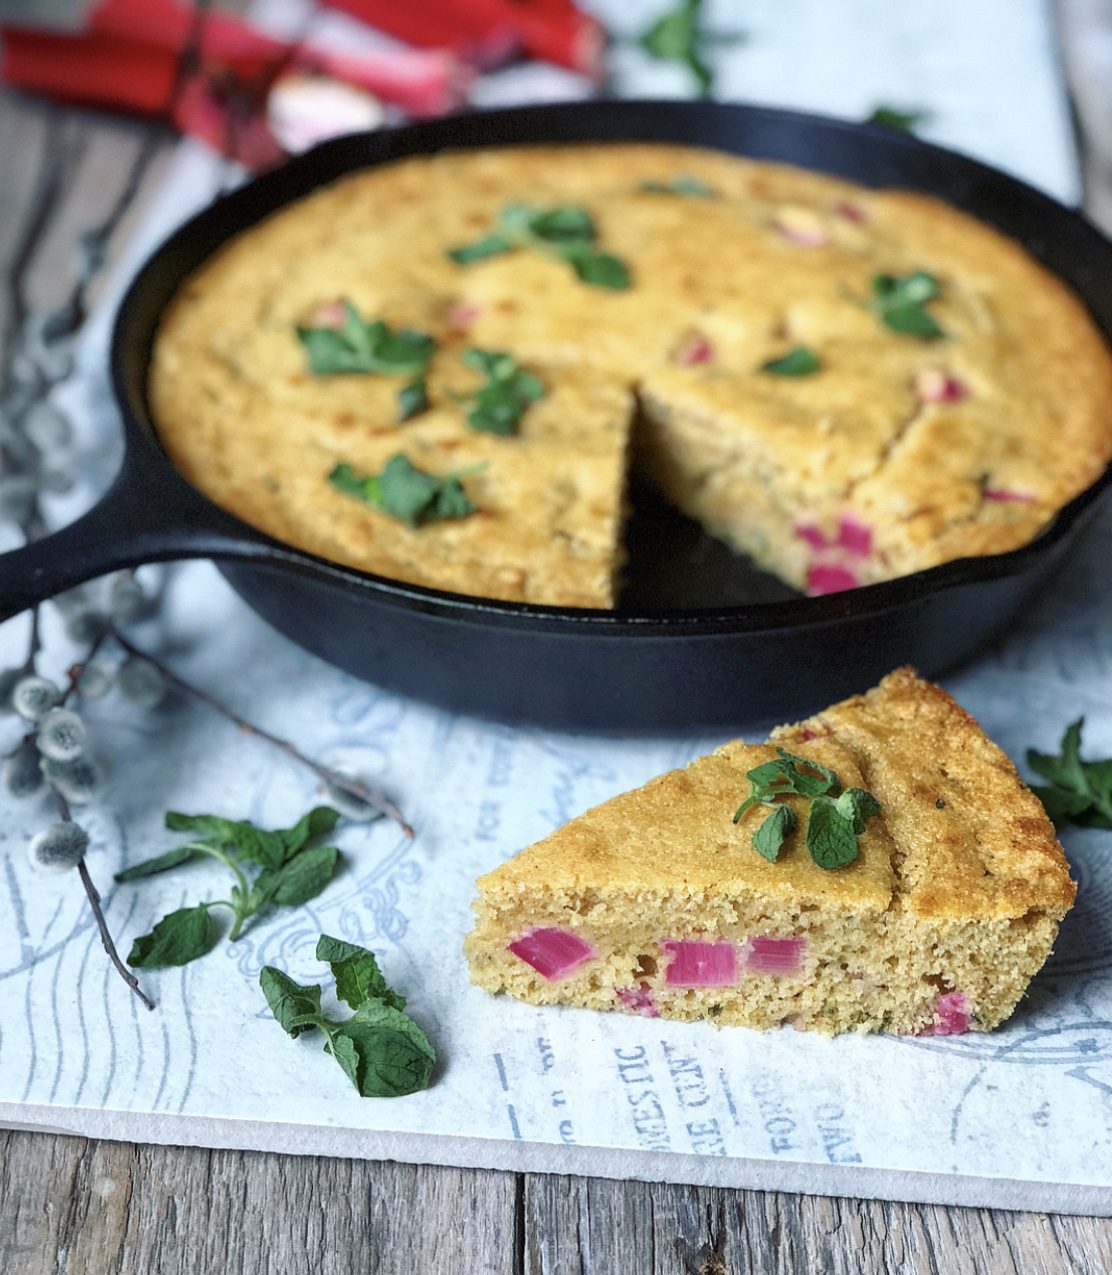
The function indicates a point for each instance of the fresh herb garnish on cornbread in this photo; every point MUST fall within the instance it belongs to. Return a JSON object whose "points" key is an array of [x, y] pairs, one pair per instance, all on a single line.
{"points": [[689, 186], [406, 492], [567, 232], [900, 302], [902, 119], [1077, 791], [382, 1051], [798, 362], [836, 818], [294, 870], [501, 401], [356, 345]]}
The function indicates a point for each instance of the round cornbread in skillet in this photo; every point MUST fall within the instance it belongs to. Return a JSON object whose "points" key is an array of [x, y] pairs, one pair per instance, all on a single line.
{"points": [[846, 384]]}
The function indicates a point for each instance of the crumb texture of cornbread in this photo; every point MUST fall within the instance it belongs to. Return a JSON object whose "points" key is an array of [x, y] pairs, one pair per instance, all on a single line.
{"points": [[655, 903], [898, 453]]}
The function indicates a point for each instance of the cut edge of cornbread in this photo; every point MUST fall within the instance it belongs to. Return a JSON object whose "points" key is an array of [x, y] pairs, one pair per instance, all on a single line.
{"points": [[938, 927]]}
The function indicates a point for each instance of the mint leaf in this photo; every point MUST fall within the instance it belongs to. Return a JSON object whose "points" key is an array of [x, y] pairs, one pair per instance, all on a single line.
{"points": [[405, 492], [903, 119], [177, 939], [492, 245], [355, 969], [499, 404], [296, 1008], [679, 35], [831, 839], [237, 837], [807, 777], [567, 225], [900, 303], [692, 187], [600, 269], [773, 832], [360, 346], [383, 1052], [1079, 792], [298, 880], [160, 863], [798, 362], [858, 806], [319, 822], [413, 399]]}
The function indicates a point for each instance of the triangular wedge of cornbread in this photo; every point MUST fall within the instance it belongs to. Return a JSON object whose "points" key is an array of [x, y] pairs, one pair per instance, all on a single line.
{"points": [[657, 903]]}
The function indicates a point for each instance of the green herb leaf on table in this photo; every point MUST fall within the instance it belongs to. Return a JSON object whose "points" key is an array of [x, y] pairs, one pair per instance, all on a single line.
{"points": [[798, 362], [900, 303], [903, 119], [564, 231], [292, 872], [499, 404], [773, 832], [679, 35], [177, 939], [691, 187], [383, 1052], [1077, 791], [407, 493]]}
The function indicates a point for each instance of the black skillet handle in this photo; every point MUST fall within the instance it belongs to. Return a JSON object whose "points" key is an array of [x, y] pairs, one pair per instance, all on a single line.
{"points": [[149, 514]]}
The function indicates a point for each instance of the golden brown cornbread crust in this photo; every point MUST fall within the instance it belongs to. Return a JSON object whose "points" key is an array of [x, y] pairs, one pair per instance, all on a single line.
{"points": [[751, 455], [960, 884]]}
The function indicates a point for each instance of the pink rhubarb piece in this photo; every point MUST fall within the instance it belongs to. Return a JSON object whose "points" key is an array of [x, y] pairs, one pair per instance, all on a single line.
{"points": [[775, 956], [933, 385], [554, 953], [851, 212], [462, 314], [951, 1014], [855, 536], [639, 1000], [697, 963], [801, 226], [812, 533], [1005, 496], [695, 350], [829, 579]]}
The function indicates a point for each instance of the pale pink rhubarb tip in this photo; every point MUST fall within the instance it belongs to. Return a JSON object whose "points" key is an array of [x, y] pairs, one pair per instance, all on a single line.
{"points": [[934, 385], [696, 349], [553, 952], [698, 963], [1004, 495], [776, 956], [639, 1000], [827, 579], [329, 314], [855, 536], [802, 227]]}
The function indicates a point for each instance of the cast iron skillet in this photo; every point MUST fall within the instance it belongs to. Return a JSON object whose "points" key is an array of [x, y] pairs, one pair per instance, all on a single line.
{"points": [[701, 639]]}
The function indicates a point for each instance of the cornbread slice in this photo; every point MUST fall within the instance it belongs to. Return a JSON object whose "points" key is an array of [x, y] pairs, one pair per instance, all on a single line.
{"points": [[895, 454], [656, 903]]}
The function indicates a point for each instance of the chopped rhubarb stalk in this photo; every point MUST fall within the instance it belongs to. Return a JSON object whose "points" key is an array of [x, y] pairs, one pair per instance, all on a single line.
{"points": [[639, 1000], [855, 536], [776, 956], [697, 963], [552, 952], [801, 226], [806, 734], [951, 1014], [812, 534], [851, 212], [933, 385], [822, 580], [461, 314], [1005, 496], [694, 350]]}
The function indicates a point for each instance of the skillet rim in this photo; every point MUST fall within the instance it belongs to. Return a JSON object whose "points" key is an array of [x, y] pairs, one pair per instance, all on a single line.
{"points": [[755, 617]]}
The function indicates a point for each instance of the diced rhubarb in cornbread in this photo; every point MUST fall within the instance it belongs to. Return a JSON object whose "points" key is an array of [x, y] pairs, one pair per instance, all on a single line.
{"points": [[656, 903]]}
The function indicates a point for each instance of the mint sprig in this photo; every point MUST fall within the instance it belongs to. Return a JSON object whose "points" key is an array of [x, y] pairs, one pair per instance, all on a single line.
{"points": [[407, 493], [500, 402], [691, 187], [279, 866], [904, 119], [900, 302], [381, 1050], [564, 231], [835, 820], [800, 361], [679, 35], [359, 346], [1077, 791]]}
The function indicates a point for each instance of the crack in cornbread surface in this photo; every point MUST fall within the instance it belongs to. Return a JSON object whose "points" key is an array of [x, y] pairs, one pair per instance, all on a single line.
{"points": [[777, 258], [958, 889]]}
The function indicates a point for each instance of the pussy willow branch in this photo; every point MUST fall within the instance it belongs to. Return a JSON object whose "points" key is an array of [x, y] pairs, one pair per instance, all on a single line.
{"points": [[325, 773]]}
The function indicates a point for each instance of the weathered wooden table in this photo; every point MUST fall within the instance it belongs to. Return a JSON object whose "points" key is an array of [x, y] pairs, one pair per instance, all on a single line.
{"points": [[73, 1206]]}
